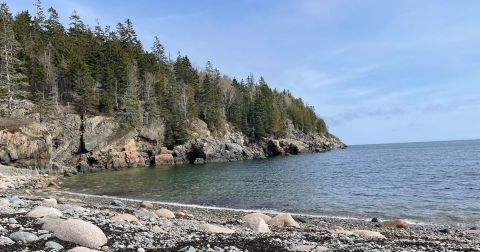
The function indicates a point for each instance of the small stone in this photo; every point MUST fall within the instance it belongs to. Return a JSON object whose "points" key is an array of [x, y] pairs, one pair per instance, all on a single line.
{"points": [[25, 237], [4, 202], [146, 204], [12, 221], [82, 249], [209, 228], [41, 211], [395, 223], [375, 219], [165, 213], [140, 250], [53, 245], [16, 201], [124, 217], [118, 203], [307, 248], [368, 233], [445, 231], [50, 203], [158, 230], [5, 241], [188, 249]]}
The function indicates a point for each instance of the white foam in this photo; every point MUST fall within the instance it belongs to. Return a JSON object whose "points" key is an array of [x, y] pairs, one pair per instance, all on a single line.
{"points": [[218, 208]]}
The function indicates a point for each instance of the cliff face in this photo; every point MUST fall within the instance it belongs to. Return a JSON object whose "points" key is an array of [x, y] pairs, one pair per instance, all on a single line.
{"points": [[82, 144]]}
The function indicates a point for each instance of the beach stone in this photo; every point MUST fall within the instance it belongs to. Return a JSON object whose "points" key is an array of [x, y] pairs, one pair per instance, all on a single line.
{"points": [[283, 220], [22, 236], [375, 219], [124, 217], [368, 233], [307, 248], [209, 228], [341, 230], [6, 241], [41, 211], [472, 231], [265, 217], [82, 249], [165, 213], [12, 221], [80, 232], [257, 224], [118, 203], [4, 202], [140, 250], [50, 203], [188, 249], [53, 245], [16, 201], [144, 213], [146, 204], [158, 230], [76, 210], [445, 231], [395, 224]]}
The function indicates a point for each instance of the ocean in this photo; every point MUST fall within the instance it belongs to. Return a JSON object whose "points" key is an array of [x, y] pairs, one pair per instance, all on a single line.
{"points": [[429, 182]]}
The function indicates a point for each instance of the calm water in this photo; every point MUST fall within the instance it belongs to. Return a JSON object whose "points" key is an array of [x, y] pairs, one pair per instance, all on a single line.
{"points": [[428, 182]]}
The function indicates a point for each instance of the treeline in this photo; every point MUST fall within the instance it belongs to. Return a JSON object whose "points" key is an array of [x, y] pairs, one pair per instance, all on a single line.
{"points": [[105, 70]]}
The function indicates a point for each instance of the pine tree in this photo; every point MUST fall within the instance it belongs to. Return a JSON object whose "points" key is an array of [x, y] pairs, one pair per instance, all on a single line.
{"points": [[12, 81]]}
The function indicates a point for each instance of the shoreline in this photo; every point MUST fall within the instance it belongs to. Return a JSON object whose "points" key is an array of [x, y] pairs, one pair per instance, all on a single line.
{"points": [[143, 226]]}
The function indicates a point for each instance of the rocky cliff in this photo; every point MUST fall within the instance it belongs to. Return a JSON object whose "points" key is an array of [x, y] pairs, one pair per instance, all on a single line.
{"points": [[73, 143]]}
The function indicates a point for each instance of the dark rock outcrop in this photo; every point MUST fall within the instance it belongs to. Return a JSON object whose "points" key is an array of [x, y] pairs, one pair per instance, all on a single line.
{"points": [[76, 144]]}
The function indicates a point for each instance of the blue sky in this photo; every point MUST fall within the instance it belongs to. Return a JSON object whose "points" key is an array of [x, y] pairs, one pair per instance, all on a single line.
{"points": [[377, 71]]}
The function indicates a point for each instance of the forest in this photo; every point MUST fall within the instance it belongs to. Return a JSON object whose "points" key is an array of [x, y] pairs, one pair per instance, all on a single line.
{"points": [[105, 70]]}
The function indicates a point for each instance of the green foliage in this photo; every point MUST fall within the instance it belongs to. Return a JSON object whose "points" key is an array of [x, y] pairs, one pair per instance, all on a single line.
{"points": [[101, 70]]}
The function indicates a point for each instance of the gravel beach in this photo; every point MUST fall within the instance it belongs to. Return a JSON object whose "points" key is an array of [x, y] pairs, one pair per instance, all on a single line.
{"points": [[36, 215]]}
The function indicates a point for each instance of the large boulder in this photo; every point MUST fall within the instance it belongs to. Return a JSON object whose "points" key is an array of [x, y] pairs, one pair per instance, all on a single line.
{"points": [[257, 224], [274, 148], [80, 232], [128, 157], [249, 216], [164, 159], [283, 220]]}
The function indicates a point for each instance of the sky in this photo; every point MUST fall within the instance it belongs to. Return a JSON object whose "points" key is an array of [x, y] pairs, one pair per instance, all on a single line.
{"points": [[377, 71]]}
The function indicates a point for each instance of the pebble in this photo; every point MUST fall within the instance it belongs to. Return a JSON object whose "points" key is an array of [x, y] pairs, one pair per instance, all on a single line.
{"points": [[12, 221], [118, 203], [445, 231], [23, 236], [53, 245], [6, 241]]}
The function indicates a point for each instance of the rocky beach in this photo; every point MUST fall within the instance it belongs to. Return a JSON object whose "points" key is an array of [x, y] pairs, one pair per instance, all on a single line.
{"points": [[37, 215]]}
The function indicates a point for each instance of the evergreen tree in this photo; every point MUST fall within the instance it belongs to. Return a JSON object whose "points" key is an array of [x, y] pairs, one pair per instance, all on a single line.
{"points": [[12, 81]]}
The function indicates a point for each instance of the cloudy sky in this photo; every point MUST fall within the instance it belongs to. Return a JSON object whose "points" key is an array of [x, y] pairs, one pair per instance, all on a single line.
{"points": [[377, 71]]}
